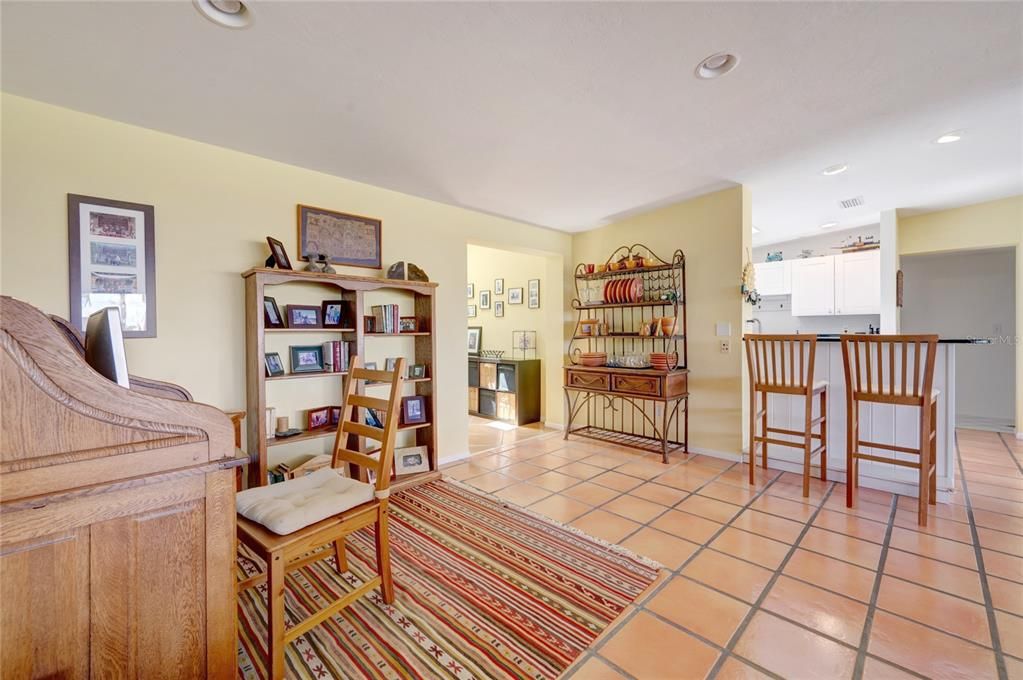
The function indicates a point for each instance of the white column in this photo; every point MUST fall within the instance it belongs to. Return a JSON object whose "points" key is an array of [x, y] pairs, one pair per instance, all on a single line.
{"points": [[889, 270]]}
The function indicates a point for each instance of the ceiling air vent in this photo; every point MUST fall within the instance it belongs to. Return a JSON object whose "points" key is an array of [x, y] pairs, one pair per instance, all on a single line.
{"points": [[854, 202]]}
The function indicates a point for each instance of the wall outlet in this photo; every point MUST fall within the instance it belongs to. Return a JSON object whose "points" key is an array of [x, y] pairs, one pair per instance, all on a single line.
{"points": [[726, 346]]}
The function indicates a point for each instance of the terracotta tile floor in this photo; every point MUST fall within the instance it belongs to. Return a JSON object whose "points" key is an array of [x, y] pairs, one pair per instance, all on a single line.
{"points": [[760, 583]]}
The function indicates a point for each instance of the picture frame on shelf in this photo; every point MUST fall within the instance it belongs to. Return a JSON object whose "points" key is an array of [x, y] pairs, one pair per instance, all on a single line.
{"points": [[475, 340], [306, 358], [411, 459], [278, 254], [484, 299], [373, 419], [498, 286], [334, 313], [318, 418], [272, 317], [470, 288], [408, 324], [515, 296], [417, 371], [471, 312], [534, 293], [498, 308], [390, 363], [413, 410], [304, 316], [335, 416], [346, 239], [112, 262], [274, 365], [370, 365]]}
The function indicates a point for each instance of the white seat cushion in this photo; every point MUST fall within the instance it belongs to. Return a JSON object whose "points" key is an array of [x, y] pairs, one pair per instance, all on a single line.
{"points": [[288, 506]]}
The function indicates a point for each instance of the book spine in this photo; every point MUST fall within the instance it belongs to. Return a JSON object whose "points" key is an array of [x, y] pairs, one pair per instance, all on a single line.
{"points": [[335, 351], [328, 357]]}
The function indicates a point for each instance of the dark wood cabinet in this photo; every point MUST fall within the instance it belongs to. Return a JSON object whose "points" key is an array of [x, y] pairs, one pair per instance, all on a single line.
{"points": [[505, 389]]}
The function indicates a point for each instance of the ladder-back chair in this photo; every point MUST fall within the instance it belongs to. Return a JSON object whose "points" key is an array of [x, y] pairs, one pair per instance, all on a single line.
{"points": [[897, 370], [784, 364], [293, 523]]}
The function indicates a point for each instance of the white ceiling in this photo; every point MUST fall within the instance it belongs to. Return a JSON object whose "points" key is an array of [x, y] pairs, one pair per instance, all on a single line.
{"points": [[566, 115]]}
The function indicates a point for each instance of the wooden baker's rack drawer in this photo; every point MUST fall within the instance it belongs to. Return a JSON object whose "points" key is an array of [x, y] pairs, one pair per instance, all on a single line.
{"points": [[589, 381], [636, 384]]}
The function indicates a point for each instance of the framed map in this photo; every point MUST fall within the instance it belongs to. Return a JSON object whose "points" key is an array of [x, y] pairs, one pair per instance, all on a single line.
{"points": [[345, 239]]}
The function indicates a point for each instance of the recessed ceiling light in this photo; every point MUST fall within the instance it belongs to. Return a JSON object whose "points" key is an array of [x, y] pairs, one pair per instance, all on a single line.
{"points": [[835, 169], [829, 225], [716, 65], [949, 137], [227, 13]]}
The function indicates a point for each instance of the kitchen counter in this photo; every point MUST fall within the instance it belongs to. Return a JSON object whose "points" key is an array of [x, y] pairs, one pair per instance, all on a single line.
{"points": [[881, 423]]}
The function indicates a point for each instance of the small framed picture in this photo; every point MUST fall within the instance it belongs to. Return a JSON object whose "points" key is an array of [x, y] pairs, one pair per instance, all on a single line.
{"points": [[484, 299], [475, 339], [306, 358], [498, 308], [373, 418], [411, 459], [498, 286], [413, 410], [514, 296], [390, 363], [318, 417], [471, 313], [417, 371], [278, 254], [370, 365], [272, 314], [274, 365], [470, 288], [534, 293], [407, 324], [368, 324], [335, 415], [304, 316], [333, 313]]}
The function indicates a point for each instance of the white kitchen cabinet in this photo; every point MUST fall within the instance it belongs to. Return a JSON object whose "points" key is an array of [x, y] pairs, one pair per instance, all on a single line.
{"points": [[858, 283], [813, 286], [774, 278]]}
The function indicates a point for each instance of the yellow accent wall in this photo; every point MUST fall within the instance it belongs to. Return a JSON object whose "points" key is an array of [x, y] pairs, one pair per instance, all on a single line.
{"points": [[214, 208], [711, 230], [994, 224], [517, 268]]}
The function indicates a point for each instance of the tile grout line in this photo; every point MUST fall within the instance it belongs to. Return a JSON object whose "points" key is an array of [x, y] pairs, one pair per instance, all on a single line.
{"points": [[868, 622], [1007, 449], [756, 607], [992, 621]]}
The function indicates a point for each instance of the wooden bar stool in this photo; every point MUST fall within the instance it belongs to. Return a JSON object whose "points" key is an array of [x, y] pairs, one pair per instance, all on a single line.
{"points": [[897, 370], [783, 364]]}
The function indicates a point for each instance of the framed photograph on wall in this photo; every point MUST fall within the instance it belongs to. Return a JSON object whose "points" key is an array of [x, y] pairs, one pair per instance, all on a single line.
{"points": [[484, 299], [498, 308], [351, 240], [475, 339], [498, 286], [534, 293], [112, 262], [514, 296], [470, 288], [471, 311]]}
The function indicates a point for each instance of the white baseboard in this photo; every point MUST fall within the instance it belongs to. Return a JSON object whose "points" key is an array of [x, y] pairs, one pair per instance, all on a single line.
{"points": [[724, 455], [449, 461], [984, 423], [555, 426]]}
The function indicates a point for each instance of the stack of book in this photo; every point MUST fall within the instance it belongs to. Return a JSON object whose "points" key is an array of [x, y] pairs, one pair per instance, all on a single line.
{"points": [[337, 355], [385, 318]]}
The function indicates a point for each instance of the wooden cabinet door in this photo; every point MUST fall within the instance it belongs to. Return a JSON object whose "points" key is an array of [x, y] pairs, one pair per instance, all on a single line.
{"points": [[506, 406], [488, 375], [858, 283], [474, 400], [44, 618], [813, 286], [774, 278]]}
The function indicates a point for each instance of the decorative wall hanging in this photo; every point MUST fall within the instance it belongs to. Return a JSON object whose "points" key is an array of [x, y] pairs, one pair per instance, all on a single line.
{"points": [[351, 240], [534, 293], [112, 262]]}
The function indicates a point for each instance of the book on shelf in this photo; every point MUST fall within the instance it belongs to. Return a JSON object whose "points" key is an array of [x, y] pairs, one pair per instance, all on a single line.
{"points": [[271, 422], [337, 355], [386, 319]]}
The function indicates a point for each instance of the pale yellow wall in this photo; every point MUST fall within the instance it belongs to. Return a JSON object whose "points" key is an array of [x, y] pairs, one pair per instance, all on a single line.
{"points": [[214, 207], [994, 224], [710, 230], [517, 268]]}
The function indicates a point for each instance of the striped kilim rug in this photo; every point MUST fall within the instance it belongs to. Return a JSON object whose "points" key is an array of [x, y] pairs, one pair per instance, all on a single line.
{"points": [[483, 590]]}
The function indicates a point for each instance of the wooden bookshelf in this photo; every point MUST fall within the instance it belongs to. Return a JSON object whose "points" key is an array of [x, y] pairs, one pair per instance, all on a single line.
{"points": [[261, 281]]}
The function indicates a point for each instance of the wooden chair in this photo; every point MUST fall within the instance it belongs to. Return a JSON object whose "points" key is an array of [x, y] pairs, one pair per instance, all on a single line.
{"points": [[783, 364], [329, 506], [883, 369]]}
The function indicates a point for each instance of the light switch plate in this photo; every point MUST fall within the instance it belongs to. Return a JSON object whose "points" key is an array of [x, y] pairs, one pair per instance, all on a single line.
{"points": [[724, 329]]}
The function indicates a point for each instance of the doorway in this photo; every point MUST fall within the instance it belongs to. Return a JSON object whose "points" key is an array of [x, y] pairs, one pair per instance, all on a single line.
{"points": [[967, 294]]}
